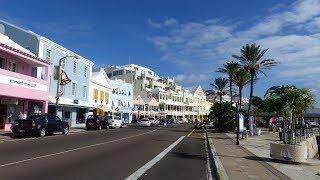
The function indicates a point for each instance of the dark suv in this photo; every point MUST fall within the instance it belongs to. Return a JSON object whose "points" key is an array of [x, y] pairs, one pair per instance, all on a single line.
{"points": [[39, 125], [96, 122]]}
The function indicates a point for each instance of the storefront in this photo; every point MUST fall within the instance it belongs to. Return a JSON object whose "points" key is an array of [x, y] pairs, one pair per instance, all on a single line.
{"points": [[21, 91]]}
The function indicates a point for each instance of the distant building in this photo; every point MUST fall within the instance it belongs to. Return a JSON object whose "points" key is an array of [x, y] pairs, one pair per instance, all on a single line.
{"points": [[122, 100], [173, 101]]}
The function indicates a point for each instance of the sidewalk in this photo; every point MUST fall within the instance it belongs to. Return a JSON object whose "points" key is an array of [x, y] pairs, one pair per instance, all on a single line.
{"points": [[260, 146], [240, 164]]}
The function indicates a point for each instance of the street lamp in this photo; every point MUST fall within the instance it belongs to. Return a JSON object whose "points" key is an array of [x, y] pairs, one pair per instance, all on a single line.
{"points": [[236, 99], [59, 78]]}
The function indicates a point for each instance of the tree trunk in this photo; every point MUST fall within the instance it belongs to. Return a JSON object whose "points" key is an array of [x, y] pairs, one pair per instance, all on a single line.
{"points": [[240, 97], [251, 94], [220, 98], [230, 84]]}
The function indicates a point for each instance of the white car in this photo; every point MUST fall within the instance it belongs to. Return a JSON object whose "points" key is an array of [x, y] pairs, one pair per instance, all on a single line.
{"points": [[152, 120], [114, 122], [145, 123]]}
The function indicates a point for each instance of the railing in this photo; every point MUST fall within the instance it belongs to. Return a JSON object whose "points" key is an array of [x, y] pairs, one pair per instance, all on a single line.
{"points": [[304, 133]]}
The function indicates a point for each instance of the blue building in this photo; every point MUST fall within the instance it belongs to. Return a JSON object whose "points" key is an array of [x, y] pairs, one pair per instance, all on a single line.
{"points": [[74, 101], [122, 100]]}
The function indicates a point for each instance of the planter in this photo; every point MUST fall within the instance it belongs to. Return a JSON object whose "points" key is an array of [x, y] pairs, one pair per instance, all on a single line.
{"points": [[290, 153]]}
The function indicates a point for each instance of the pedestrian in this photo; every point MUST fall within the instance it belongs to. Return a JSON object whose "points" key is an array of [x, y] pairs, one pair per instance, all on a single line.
{"points": [[24, 115]]}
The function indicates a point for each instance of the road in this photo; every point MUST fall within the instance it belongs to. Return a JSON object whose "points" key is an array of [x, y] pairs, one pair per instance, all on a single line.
{"points": [[172, 152]]}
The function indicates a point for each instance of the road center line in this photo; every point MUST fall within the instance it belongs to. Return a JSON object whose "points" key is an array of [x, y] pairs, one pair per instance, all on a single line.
{"points": [[147, 166], [76, 149], [190, 133]]}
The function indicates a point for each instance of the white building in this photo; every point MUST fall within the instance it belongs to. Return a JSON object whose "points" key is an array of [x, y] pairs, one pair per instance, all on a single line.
{"points": [[173, 101]]}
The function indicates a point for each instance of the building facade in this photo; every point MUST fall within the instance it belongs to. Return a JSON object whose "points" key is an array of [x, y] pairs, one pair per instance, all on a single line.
{"points": [[100, 93], [74, 101], [21, 90], [173, 100], [122, 100]]}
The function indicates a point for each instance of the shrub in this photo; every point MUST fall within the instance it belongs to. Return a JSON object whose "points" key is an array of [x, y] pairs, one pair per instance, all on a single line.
{"points": [[223, 116]]}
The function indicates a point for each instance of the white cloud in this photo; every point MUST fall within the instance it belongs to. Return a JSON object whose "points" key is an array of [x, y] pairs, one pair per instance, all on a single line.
{"points": [[191, 78], [292, 36]]}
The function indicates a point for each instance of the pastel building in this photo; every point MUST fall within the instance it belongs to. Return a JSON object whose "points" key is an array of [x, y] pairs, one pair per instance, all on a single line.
{"points": [[100, 93], [74, 103], [122, 100], [20, 88]]}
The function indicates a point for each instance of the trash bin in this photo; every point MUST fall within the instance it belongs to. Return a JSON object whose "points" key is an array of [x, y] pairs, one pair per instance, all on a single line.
{"points": [[281, 135]]}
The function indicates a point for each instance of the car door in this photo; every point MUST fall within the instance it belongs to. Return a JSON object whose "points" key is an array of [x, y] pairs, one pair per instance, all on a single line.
{"points": [[51, 123], [58, 124]]}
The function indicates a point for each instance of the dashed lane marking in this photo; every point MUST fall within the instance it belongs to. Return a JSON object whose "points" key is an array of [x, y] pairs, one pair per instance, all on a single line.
{"points": [[190, 133]]}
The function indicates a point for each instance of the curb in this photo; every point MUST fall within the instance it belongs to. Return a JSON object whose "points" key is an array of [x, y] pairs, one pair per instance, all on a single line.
{"points": [[214, 161]]}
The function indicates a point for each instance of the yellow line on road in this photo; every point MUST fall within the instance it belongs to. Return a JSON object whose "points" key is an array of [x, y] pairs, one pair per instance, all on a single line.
{"points": [[190, 133]]}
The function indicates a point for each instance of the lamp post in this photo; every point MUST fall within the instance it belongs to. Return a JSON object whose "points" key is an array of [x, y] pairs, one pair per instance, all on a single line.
{"points": [[59, 78], [236, 99]]}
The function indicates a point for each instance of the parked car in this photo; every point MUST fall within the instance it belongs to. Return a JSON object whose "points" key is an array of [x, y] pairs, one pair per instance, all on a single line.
{"points": [[153, 120], [96, 122], [39, 125], [145, 122], [114, 122]]}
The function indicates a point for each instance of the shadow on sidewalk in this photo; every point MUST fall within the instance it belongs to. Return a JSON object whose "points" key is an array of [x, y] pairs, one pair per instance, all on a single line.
{"points": [[255, 158]]}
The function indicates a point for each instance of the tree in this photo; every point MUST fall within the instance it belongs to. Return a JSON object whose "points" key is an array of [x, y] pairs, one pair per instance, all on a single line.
{"points": [[229, 68], [223, 116], [252, 60], [240, 78], [220, 84], [289, 101]]}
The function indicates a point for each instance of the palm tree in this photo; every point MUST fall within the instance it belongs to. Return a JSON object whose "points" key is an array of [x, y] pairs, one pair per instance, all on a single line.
{"points": [[252, 60], [220, 84], [229, 68], [240, 78]]}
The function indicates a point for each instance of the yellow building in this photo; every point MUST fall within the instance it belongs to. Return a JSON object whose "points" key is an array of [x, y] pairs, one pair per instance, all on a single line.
{"points": [[100, 91], [199, 101]]}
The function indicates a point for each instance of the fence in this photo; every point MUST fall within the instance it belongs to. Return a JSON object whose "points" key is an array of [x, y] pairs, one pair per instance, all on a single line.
{"points": [[304, 133]]}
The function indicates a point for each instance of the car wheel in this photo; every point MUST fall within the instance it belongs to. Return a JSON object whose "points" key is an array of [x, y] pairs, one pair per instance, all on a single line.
{"points": [[65, 131], [42, 132]]}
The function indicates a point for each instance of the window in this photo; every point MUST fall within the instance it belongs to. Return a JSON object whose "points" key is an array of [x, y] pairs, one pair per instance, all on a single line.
{"points": [[85, 71], [101, 96], [12, 67], [95, 94], [106, 97], [48, 55], [75, 66], [2, 63], [84, 91], [74, 89], [63, 64]]}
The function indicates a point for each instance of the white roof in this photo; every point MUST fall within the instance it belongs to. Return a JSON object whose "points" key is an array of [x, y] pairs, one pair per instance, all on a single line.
{"points": [[7, 41], [157, 90]]}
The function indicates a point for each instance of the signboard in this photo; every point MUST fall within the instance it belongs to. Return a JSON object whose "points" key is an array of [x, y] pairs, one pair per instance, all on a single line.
{"points": [[75, 101], [9, 101], [241, 121], [13, 81]]}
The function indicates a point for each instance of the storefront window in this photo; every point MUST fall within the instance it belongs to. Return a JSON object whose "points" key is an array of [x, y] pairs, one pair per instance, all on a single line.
{"points": [[81, 116], [2, 63]]}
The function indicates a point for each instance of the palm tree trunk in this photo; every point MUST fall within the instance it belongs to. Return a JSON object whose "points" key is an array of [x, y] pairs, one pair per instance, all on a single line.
{"points": [[220, 98], [251, 94], [240, 97], [230, 84]]}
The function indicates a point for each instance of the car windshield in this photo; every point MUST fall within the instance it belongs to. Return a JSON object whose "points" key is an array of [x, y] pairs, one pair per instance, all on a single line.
{"points": [[108, 117], [34, 117], [91, 118]]}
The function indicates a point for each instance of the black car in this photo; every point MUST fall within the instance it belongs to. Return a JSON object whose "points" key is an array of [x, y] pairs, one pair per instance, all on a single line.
{"points": [[39, 125], [96, 122]]}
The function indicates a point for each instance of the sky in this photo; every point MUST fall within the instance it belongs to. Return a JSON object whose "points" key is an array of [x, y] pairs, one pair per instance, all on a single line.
{"points": [[185, 39]]}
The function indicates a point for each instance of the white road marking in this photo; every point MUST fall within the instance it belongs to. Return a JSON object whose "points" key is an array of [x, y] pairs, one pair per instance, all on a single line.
{"points": [[76, 149], [147, 166]]}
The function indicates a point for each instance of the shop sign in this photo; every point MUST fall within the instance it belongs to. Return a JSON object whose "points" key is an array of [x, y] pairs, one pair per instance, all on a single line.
{"points": [[9, 101], [75, 101], [22, 83]]}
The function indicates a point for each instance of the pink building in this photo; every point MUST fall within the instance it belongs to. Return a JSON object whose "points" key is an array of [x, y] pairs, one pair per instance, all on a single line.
{"points": [[20, 89]]}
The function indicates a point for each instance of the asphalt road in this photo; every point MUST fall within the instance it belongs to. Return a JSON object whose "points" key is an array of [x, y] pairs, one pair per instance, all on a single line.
{"points": [[108, 154]]}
